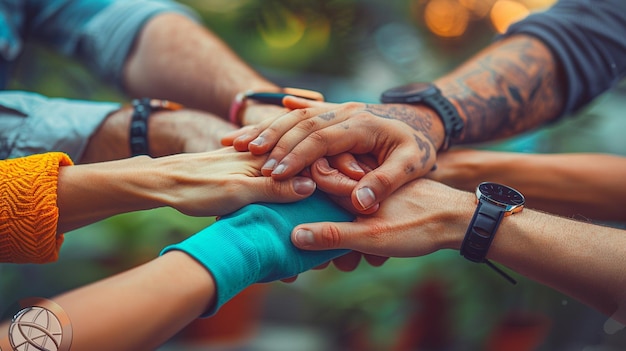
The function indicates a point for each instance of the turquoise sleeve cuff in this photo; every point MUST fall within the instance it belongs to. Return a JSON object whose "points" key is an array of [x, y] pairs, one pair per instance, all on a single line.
{"points": [[253, 244]]}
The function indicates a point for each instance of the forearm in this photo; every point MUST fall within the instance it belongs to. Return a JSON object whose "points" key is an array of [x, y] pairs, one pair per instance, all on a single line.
{"points": [[142, 307], [512, 86], [209, 76], [90, 193], [582, 260], [563, 184]]}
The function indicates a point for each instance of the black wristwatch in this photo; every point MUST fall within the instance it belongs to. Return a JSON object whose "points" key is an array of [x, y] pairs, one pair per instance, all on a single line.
{"points": [[495, 201], [429, 95]]}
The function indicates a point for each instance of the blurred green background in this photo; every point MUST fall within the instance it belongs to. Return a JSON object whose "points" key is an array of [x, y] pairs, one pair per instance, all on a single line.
{"points": [[349, 50]]}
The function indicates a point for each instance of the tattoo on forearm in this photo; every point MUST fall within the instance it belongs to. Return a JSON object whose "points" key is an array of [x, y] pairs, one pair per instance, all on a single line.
{"points": [[506, 90]]}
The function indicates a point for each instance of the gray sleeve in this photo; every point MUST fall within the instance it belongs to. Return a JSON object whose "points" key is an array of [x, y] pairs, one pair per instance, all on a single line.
{"points": [[109, 36], [31, 123], [98, 33], [588, 40]]}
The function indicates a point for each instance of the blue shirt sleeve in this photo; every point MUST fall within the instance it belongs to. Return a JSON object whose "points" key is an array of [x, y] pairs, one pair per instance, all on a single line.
{"points": [[100, 33], [588, 40], [31, 123]]}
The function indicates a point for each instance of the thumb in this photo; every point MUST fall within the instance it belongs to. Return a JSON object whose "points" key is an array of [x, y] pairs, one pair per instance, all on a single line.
{"points": [[290, 190], [326, 235]]}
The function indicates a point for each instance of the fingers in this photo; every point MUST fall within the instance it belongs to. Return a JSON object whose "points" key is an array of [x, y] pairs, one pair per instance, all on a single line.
{"points": [[375, 260], [330, 180], [347, 164], [229, 138], [400, 167], [331, 235], [265, 189], [348, 262]]}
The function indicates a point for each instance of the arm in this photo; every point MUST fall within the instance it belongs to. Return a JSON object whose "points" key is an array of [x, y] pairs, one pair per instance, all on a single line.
{"points": [[563, 184], [582, 260], [197, 184], [147, 305], [43, 196], [195, 67]]}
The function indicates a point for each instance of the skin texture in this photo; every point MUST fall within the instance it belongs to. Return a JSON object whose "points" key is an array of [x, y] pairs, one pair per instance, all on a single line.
{"points": [[167, 38], [196, 184], [563, 184]]}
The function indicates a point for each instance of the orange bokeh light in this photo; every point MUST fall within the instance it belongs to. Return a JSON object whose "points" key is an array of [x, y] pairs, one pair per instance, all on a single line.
{"points": [[506, 12], [446, 18]]}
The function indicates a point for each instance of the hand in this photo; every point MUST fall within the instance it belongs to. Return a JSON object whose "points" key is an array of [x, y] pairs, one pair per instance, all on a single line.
{"points": [[419, 218], [222, 181], [317, 129], [186, 130], [196, 184]]}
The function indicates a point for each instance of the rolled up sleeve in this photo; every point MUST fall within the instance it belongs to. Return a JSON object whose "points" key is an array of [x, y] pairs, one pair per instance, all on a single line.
{"points": [[31, 123], [100, 33], [588, 40]]}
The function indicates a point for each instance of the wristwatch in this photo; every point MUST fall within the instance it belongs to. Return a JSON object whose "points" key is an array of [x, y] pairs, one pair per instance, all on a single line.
{"points": [[429, 95], [495, 201]]}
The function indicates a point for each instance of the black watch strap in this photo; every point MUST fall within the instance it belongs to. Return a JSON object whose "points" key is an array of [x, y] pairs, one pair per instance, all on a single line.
{"points": [[481, 231], [480, 234], [452, 122]]}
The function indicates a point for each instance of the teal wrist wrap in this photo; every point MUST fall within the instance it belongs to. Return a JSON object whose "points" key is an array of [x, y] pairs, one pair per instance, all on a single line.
{"points": [[253, 244]]}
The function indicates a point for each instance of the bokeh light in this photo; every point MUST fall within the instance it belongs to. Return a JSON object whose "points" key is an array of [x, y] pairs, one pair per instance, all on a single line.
{"points": [[446, 18], [505, 12], [454, 18]]}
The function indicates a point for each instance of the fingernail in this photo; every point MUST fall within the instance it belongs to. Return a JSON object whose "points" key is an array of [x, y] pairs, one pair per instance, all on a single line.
{"points": [[240, 138], [366, 198], [279, 169], [355, 167], [324, 167], [270, 164], [303, 185], [304, 237], [258, 141]]}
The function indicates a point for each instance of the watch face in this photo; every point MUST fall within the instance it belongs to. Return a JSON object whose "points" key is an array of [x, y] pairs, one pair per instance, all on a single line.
{"points": [[501, 194]]}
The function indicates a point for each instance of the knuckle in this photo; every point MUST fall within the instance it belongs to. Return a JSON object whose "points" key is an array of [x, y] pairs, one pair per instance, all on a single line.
{"points": [[330, 236], [385, 180]]}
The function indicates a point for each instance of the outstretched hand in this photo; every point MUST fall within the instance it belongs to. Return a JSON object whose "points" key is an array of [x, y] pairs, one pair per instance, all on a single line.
{"points": [[417, 219]]}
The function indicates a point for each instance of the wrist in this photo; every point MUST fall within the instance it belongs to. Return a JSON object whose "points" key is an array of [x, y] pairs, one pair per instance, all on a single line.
{"points": [[457, 214], [110, 140], [139, 123], [242, 99]]}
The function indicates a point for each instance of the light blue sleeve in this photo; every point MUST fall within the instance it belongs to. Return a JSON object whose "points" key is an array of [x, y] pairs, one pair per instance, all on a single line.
{"points": [[31, 123], [100, 33]]}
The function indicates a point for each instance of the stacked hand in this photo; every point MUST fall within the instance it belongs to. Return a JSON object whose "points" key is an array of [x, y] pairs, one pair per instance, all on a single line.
{"points": [[314, 129]]}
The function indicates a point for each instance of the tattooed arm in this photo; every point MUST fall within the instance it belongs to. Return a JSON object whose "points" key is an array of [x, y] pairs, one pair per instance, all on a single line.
{"points": [[510, 87]]}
